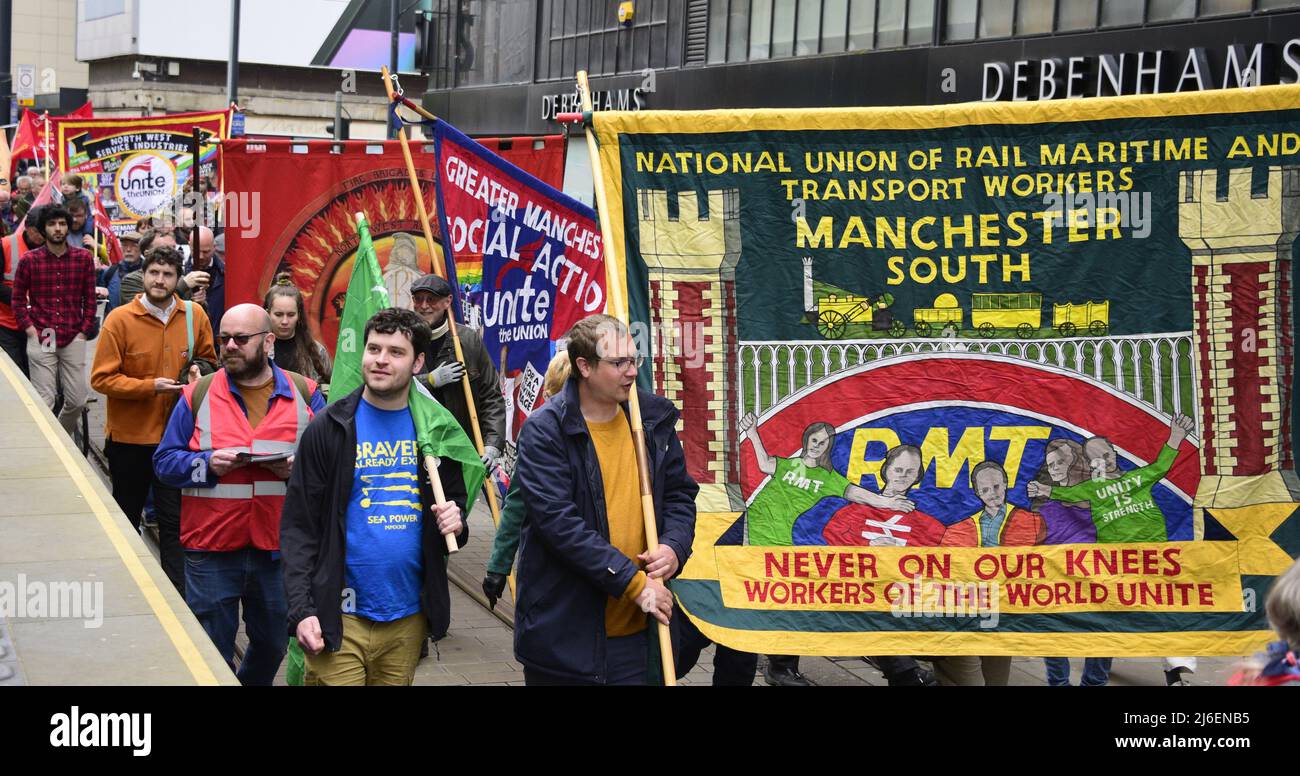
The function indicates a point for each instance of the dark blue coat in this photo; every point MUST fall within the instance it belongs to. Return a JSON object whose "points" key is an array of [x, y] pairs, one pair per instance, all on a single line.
{"points": [[568, 570]]}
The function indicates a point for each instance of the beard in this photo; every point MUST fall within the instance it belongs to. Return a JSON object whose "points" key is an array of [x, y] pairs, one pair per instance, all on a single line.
{"points": [[158, 301], [398, 385], [239, 368]]}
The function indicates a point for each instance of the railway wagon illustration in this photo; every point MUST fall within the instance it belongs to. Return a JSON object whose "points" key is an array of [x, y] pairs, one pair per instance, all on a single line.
{"points": [[928, 320], [1021, 312], [1069, 318]]}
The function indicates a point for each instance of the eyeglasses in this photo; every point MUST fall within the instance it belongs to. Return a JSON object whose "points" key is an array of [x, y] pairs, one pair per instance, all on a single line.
{"points": [[240, 339], [621, 364]]}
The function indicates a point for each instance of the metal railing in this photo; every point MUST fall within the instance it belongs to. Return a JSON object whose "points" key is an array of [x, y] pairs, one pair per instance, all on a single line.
{"points": [[1156, 369]]}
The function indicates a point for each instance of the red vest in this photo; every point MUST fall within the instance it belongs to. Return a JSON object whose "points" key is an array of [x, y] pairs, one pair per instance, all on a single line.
{"points": [[243, 510], [13, 248]]}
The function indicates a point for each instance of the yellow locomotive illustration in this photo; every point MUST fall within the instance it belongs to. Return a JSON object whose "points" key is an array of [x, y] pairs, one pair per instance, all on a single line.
{"points": [[834, 310]]}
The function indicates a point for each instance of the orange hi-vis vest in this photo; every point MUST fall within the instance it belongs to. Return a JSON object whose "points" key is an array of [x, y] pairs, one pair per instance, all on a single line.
{"points": [[14, 247], [243, 509]]}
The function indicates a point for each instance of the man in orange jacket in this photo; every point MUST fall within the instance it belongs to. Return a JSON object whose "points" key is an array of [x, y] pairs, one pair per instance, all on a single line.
{"points": [[142, 349]]}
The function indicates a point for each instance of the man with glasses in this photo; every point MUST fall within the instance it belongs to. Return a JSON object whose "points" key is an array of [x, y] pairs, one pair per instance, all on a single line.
{"points": [[230, 445], [587, 582], [431, 297]]}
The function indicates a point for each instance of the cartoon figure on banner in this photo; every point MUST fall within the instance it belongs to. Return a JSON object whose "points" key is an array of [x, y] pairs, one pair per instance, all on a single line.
{"points": [[1123, 509], [797, 484], [999, 524], [1067, 523], [861, 524]]}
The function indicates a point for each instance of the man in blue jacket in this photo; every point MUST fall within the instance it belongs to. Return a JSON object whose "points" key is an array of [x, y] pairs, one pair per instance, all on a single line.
{"points": [[587, 582]]}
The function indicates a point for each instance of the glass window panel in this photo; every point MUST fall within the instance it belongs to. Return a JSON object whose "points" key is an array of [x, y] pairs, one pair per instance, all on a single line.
{"points": [[582, 53], [640, 48], [920, 22], [570, 16], [783, 28], [862, 25], [1219, 7], [738, 31], [959, 23], [551, 17], [1034, 17], [660, 11], [567, 69], [553, 65], [760, 29], [996, 17], [1268, 5], [717, 32], [659, 46], [1116, 13], [835, 19], [1167, 10], [611, 51], [584, 16], [1077, 15], [889, 23], [808, 27]]}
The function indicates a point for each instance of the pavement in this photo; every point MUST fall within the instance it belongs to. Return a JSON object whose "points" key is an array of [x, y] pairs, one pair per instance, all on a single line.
{"points": [[478, 648], [82, 600]]}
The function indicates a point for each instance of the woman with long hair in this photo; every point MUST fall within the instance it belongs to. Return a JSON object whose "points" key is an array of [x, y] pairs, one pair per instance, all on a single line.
{"points": [[295, 348]]}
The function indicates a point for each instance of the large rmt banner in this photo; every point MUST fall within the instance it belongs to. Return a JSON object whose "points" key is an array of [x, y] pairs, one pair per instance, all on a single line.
{"points": [[974, 379]]}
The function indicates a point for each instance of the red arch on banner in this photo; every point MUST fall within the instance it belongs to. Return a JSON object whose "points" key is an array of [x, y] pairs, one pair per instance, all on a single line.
{"points": [[949, 378]]}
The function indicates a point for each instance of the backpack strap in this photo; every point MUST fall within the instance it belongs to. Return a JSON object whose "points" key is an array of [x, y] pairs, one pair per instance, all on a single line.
{"points": [[201, 392], [205, 383], [299, 382], [189, 328]]}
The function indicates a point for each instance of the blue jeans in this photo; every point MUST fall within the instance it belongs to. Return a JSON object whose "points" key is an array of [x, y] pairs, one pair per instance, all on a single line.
{"points": [[216, 583], [1096, 671]]}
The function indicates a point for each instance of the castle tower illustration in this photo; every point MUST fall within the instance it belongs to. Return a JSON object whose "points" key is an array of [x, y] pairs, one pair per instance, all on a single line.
{"points": [[1241, 274], [690, 252]]}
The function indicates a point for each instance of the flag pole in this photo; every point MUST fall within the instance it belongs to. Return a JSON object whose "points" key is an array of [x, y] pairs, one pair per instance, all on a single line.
{"points": [[441, 270], [510, 578], [48, 150], [616, 293], [430, 462]]}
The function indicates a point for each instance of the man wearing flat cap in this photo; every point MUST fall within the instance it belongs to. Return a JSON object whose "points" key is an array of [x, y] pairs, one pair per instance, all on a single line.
{"points": [[431, 297]]}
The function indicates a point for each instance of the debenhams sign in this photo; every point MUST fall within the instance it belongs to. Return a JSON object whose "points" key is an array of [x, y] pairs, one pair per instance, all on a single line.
{"points": [[1142, 72]]}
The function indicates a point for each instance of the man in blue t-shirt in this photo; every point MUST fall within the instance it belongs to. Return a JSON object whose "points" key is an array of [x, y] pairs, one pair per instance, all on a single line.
{"points": [[360, 526]]}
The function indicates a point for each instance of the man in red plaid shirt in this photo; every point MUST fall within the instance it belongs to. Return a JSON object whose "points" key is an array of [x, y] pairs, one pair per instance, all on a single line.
{"points": [[54, 302]]}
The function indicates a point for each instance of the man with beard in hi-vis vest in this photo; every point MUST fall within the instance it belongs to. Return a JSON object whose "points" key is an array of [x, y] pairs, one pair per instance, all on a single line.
{"points": [[230, 445]]}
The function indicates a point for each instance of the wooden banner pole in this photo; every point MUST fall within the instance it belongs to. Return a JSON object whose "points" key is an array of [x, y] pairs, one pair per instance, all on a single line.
{"points": [[616, 293]]}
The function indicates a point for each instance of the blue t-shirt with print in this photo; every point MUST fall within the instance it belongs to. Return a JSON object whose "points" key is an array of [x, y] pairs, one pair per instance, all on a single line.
{"points": [[384, 564]]}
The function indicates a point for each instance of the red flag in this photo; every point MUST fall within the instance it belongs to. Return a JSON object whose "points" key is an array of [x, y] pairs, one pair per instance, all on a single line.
{"points": [[30, 139], [105, 226], [43, 197]]}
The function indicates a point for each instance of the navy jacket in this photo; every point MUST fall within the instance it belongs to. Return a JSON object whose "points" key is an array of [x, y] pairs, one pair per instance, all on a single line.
{"points": [[568, 570]]}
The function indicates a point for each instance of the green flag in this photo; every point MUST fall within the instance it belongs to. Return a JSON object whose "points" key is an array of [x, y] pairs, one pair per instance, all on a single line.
{"points": [[366, 296], [436, 429]]}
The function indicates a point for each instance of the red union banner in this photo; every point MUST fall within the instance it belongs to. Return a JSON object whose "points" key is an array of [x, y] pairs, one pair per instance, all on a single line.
{"points": [[296, 201], [140, 165]]}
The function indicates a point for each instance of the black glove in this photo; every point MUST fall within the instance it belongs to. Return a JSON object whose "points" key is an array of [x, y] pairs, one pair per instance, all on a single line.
{"points": [[494, 587]]}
